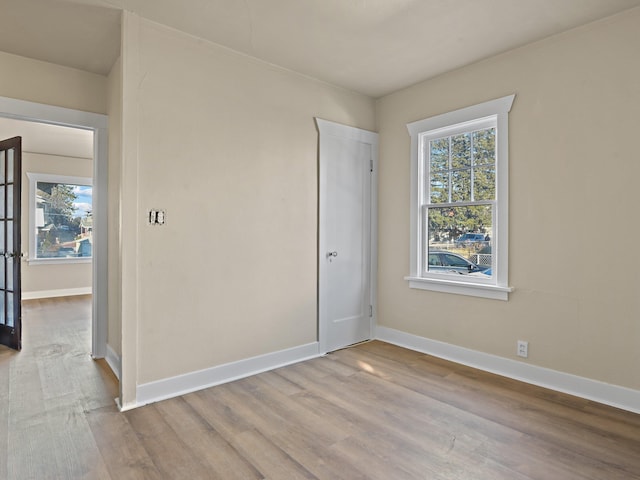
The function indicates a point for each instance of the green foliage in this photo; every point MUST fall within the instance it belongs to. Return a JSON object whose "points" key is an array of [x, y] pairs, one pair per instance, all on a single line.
{"points": [[461, 169], [448, 223], [58, 201], [61, 200]]}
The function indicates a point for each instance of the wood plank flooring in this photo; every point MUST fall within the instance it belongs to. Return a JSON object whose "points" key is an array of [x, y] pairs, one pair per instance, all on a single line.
{"points": [[374, 411]]}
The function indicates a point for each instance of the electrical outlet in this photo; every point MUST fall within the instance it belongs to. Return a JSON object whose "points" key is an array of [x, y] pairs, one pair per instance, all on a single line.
{"points": [[523, 349]]}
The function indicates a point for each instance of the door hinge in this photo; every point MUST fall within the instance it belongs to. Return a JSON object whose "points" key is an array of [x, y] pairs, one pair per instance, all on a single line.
{"points": [[371, 164], [370, 310]]}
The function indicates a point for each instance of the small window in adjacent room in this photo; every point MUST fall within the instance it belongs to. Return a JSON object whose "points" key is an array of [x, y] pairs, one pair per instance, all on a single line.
{"points": [[459, 201], [60, 218]]}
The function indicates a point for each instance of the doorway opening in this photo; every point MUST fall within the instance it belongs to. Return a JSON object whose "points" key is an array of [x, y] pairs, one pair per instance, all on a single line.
{"points": [[92, 129]]}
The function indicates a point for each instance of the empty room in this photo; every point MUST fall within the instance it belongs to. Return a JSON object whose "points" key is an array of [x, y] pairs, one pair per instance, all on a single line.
{"points": [[327, 239]]}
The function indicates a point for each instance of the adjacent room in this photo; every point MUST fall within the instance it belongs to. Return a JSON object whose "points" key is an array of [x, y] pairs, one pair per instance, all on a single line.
{"points": [[326, 239]]}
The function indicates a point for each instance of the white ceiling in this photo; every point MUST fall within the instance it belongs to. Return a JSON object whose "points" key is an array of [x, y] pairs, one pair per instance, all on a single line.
{"points": [[370, 46], [49, 139]]}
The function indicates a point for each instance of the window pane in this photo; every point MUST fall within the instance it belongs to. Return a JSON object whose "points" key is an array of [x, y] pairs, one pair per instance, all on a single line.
{"points": [[2, 264], [461, 150], [10, 154], [63, 219], [439, 154], [9, 236], [459, 240], [3, 319], [439, 187], [461, 186], [484, 183], [10, 321], [2, 201], [484, 146], [9, 264], [454, 261], [9, 201], [2, 166]]}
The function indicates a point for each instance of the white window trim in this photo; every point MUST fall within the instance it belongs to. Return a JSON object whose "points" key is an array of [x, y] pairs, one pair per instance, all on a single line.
{"points": [[498, 287], [34, 178]]}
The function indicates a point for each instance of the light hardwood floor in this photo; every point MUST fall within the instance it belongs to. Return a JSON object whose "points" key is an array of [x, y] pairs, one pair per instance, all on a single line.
{"points": [[374, 411]]}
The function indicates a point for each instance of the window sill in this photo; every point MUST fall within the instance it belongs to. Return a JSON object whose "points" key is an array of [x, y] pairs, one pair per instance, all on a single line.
{"points": [[58, 260], [493, 292]]}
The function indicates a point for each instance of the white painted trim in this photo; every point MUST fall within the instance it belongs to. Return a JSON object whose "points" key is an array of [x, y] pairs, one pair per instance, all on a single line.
{"points": [[493, 112], [480, 110], [40, 112], [69, 179], [100, 249], [326, 129], [374, 239], [606, 393], [210, 377], [493, 292], [98, 123], [61, 292], [113, 360], [57, 260]]}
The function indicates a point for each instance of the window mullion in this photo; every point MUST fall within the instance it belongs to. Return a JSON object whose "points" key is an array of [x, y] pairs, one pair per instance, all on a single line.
{"points": [[462, 204], [450, 175], [473, 163]]}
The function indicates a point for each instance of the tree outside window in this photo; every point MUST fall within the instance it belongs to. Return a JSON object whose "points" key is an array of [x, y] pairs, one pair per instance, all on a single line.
{"points": [[64, 222]]}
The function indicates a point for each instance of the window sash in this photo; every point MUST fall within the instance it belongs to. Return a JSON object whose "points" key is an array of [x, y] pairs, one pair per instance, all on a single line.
{"points": [[466, 128], [423, 253], [473, 168]]}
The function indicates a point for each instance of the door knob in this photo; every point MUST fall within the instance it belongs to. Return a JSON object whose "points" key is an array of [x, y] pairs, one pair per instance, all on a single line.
{"points": [[332, 254]]}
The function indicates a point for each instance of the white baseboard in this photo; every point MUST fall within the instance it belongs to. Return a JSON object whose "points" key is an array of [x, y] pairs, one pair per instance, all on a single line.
{"points": [[193, 381], [64, 292], [613, 395], [113, 360]]}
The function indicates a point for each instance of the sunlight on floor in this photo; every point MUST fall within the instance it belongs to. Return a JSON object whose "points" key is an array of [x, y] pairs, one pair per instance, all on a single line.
{"points": [[366, 367]]}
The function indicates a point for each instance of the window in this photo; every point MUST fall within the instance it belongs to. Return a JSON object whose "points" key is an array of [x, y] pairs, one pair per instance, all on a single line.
{"points": [[459, 201], [60, 219]]}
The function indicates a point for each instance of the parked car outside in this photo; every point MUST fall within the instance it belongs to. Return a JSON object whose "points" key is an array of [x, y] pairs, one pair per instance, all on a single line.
{"points": [[470, 239], [442, 261], [482, 274]]}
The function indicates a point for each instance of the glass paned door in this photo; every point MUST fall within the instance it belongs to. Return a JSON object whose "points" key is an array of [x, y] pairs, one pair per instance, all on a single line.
{"points": [[10, 256]]}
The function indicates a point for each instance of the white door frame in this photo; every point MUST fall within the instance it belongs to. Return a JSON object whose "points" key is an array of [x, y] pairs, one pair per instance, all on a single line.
{"points": [[39, 112], [326, 129]]}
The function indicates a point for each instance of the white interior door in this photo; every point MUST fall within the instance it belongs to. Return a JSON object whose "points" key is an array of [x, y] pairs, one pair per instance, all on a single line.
{"points": [[345, 264]]}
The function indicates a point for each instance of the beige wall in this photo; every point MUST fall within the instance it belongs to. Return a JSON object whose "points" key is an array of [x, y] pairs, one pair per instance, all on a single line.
{"points": [[35, 81], [39, 278], [228, 146], [115, 135], [573, 205]]}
